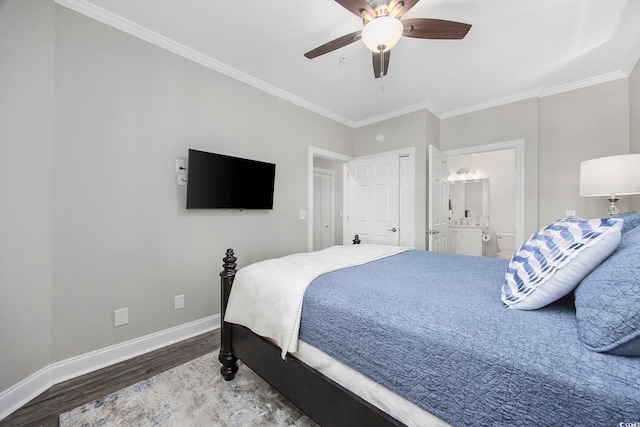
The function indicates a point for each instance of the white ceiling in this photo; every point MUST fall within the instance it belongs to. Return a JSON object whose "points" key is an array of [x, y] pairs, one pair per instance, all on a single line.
{"points": [[515, 49]]}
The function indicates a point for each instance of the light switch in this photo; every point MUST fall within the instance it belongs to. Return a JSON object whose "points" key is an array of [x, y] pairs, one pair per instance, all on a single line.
{"points": [[302, 215]]}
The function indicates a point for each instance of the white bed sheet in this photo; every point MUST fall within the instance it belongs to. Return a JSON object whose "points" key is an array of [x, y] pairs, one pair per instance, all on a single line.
{"points": [[361, 385], [271, 307]]}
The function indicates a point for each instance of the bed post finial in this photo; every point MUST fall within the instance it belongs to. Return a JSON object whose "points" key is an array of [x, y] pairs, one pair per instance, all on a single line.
{"points": [[356, 240], [226, 357], [229, 265]]}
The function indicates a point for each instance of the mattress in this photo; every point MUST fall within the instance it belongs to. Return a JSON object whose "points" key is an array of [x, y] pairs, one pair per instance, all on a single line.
{"points": [[398, 407]]}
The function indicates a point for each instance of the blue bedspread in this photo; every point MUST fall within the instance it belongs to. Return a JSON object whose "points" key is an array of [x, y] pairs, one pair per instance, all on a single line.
{"points": [[432, 328]]}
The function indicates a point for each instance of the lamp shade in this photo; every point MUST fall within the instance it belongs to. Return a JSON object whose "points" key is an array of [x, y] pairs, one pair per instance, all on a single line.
{"points": [[610, 176], [382, 33]]}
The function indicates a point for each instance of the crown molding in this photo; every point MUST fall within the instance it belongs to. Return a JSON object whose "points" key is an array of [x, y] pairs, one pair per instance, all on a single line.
{"points": [[540, 93], [427, 105], [493, 103], [143, 33], [591, 81]]}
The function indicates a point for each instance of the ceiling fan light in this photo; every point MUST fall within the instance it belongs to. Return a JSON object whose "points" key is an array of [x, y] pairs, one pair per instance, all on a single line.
{"points": [[382, 33]]}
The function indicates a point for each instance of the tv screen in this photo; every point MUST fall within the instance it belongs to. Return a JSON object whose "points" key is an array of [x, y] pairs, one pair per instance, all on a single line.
{"points": [[216, 181]]}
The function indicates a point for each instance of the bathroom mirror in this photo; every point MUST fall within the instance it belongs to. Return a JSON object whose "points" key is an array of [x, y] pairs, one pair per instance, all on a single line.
{"points": [[469, 199]]}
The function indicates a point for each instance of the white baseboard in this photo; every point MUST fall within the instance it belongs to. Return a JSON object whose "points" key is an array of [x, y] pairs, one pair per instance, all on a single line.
{"points": [[21, 393]]}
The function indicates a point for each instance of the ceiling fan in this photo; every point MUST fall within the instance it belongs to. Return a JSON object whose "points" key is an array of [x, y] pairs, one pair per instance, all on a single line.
{"points": [[383, 28]]}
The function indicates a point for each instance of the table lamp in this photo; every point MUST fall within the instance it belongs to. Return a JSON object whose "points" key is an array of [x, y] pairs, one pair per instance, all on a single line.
{"points": [[610, 177]]}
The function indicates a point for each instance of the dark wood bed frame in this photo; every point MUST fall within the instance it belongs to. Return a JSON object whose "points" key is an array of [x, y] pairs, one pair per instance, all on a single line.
{"points": [[323, 400]]}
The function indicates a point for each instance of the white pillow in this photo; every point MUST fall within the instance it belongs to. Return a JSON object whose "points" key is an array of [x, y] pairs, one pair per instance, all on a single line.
{"points": [[552, 262]]}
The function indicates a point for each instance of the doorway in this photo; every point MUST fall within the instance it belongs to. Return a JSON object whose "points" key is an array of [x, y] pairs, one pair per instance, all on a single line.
{"points": [[319, 157], [516, 206], [327, 160]]}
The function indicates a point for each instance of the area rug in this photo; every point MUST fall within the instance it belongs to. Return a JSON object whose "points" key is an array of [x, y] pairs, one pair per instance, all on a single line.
{"points": [[193, 394]]}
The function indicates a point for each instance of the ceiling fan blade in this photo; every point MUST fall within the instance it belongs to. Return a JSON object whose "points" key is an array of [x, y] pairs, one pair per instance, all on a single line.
{"points": [[357, 6], [333, 45], [425, 28], [381, 63], [406, 5]]}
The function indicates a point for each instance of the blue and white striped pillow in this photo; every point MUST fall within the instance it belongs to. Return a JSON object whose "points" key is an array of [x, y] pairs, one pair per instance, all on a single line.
{"points": [[552, 262]]}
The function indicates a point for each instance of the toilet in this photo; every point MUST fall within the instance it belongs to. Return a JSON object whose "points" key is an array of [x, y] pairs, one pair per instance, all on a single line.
{"points": [[506, 245]]}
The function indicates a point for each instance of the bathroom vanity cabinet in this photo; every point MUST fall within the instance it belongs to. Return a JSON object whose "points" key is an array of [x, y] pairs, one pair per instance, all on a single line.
{"points": [[466, 240]]}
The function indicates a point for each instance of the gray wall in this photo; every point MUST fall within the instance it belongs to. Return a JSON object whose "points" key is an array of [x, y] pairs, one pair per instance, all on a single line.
{"points": [[575, 126], [26, 191], [122, 237], [634, 110], [559, 131], [518, 120], [103, 169], [634, 122]]}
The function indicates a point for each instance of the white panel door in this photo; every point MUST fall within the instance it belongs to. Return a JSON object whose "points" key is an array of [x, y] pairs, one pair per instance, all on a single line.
{"points": [[323, 209], [373, 201], [438, 201]]}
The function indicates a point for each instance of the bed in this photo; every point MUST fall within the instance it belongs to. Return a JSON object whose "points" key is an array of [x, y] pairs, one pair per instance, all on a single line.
{"points": [[398, 336]]}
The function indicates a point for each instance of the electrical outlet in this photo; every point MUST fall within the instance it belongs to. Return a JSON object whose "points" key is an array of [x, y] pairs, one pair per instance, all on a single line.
{"points": [[178, 302], [181, 178], [121, 316]]}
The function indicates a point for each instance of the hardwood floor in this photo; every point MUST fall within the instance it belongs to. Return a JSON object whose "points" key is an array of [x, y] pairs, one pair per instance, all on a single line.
{"points": [[45, 409]]}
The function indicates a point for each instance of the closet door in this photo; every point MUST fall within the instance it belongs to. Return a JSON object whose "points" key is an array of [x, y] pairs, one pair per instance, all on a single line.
{"points": [[323, 209], [373, 202]]}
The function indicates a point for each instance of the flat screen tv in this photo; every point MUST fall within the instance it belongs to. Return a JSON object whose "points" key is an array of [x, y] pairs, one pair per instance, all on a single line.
{"points": [[216, 181]]}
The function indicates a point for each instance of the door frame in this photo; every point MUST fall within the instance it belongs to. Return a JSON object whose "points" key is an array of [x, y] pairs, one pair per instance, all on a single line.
{"points": [[325, 154], [518, 144]]}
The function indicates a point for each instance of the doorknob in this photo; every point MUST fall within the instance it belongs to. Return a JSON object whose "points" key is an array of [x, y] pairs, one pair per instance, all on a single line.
{"points": [[392, 229]]}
